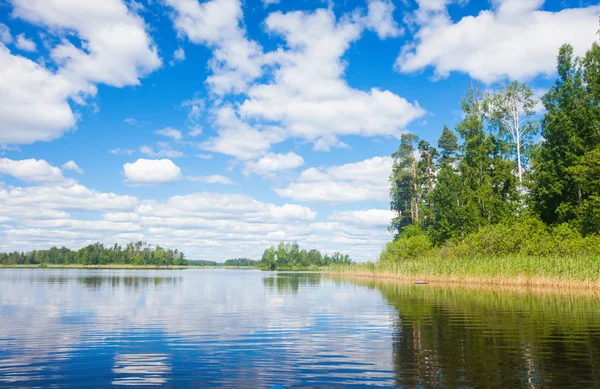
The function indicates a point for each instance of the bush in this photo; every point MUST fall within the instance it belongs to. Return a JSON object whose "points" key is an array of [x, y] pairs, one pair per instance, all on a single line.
{"points": [[414, 247]]}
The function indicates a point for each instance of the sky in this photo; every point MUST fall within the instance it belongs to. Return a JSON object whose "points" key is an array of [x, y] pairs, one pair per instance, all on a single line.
{"points": [[222, 127]]}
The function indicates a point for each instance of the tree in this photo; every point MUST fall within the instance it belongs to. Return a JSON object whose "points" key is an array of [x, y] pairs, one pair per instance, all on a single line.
{"points": [[404, 192], [448, 145], [426, 172], [512, 110], [570, 131]]}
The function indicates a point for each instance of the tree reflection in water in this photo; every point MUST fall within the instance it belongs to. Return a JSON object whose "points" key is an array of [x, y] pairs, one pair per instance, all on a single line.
{"points": [[457, 337]]}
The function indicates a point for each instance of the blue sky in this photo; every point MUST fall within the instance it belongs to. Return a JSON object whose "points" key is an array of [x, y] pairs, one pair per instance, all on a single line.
{"points": [[222, 127]]}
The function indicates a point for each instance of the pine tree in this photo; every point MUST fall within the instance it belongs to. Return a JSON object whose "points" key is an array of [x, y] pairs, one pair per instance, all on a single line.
{"points": [[570, 129], [404, 190]]}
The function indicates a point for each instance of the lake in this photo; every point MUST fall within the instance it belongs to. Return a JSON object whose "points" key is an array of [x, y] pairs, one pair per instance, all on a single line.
{"points": [[217, 328]]}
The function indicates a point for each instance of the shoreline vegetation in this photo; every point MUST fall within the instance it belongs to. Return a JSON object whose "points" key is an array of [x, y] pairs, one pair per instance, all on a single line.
{"points": [[510, 197]]}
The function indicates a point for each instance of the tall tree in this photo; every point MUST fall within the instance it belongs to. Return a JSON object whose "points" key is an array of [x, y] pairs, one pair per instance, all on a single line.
{"points": [[426, 172], [512, 110], [404, 193], [448, 145], [570, 129]]}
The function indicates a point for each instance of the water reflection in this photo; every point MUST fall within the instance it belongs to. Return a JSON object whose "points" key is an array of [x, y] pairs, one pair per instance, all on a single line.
{"points": [[291, 282], [456, 337], [72, 328]]}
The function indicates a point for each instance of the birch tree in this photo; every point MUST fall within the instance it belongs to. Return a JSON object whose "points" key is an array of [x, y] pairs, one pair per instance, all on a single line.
{"points": [[512, 109]]}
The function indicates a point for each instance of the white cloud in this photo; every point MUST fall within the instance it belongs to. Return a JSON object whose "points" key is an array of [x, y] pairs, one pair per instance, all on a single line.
{"points": [[170, 132], [353, 182], [308, 95], [120, 151], [25, 44], [28, 88], [380, 19], [33, 170], [204, 156], [272, 163], [71, 165], [194, 132], [224, 206], [151, 172], [178, 56], [162, 152], [239, 139], [236, 60], [304, 95], [373, 217], [133, 122], [5, 36], [267, 3], [204, 225], [501, 43], [65, 197], [34, 100], [214, 179]]}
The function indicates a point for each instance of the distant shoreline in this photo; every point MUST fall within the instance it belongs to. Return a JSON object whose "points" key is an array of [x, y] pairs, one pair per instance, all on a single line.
{"points": [[118, 266]]}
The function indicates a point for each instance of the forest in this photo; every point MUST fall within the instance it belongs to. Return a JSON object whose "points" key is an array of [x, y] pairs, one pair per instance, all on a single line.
{"points": [[289, 256], [511, 179], [138, 254]]}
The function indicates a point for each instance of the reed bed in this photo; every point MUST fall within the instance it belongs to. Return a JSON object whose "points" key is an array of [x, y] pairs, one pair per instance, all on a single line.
{"points": [[555, 271]]}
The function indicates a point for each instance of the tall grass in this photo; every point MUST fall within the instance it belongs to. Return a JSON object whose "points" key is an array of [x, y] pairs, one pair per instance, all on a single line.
{"points": [[523, 251], [511, 269]]}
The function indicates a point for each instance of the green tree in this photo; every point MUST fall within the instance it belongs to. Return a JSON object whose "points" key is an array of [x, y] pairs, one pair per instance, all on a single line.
{"points": [[570, 131], [512, 110], [404, 193]]}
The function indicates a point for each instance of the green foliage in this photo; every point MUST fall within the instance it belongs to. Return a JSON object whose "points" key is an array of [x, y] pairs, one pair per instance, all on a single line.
{"points": [[240, 262], [200, 262], [139, 253], [526, 236], [289, 256], [404, 193], [410, 248], [563, 162]]}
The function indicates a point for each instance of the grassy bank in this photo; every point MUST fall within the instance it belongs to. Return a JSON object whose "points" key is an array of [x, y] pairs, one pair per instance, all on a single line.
{"points": [[552, 271]]}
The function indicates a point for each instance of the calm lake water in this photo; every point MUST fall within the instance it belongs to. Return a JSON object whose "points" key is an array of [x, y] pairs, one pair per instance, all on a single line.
{"points": [[249, 329]]}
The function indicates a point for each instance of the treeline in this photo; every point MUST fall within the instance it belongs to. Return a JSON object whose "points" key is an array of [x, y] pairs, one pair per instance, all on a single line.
{"points": [[501, 169], [289, 255], [139, 253], [201, 262], [240, 262], [229, 262]]}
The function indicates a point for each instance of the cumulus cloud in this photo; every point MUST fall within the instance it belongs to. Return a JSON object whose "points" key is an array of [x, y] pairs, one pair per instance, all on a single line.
{"points": [[33, 170], [353, 182], [71, 165], [170, 132], [120, 151], [106, 58], [151, 172], [380, 19], [272, 163], [65, 197], [213, 179], [5, 36], [237, 61], [496, 44], [372, 217], [304, 95], [178, 56], [164, 151], [25, 44]]}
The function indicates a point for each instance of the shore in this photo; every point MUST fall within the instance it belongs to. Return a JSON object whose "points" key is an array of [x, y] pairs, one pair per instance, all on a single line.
{"points": [[117, 266], [553, 272]]}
